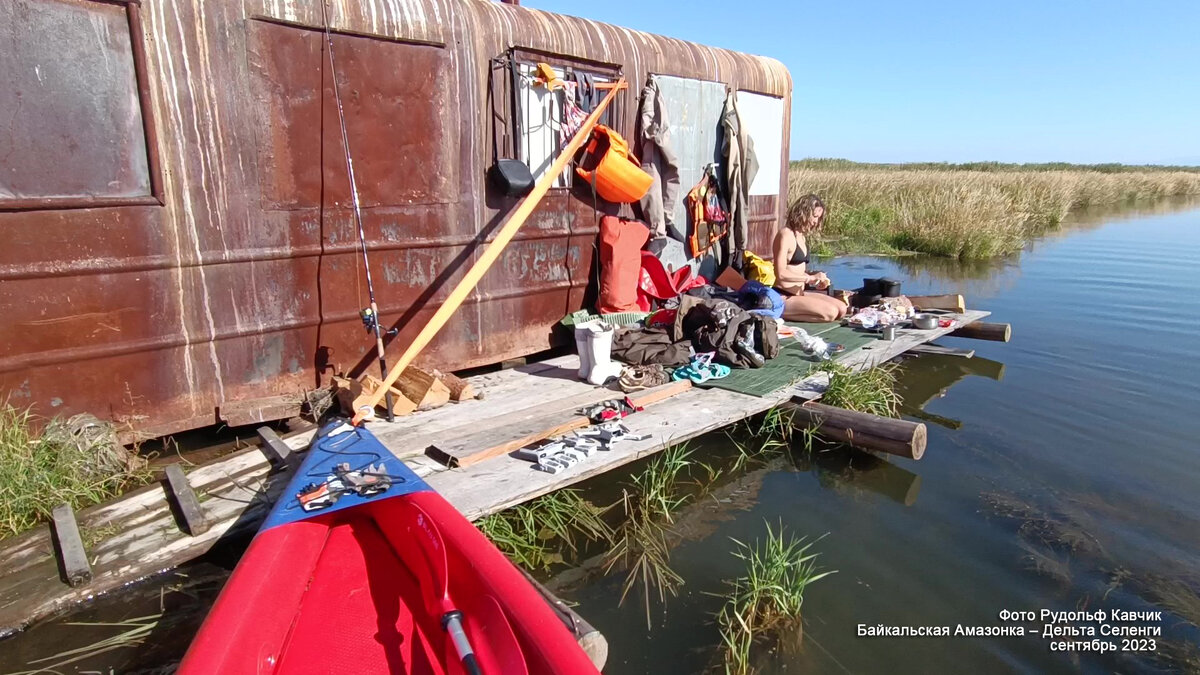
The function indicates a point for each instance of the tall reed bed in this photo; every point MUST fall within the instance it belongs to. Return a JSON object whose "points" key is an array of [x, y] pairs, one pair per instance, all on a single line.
{"points": [[963, 213]]}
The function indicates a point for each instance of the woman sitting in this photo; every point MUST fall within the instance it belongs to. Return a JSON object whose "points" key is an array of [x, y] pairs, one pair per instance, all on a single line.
{"points": [[791, 266]]}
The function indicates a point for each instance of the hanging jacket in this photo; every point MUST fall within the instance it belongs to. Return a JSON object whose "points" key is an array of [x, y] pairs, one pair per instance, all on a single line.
{"points": [[658, 160], [741, 166]]}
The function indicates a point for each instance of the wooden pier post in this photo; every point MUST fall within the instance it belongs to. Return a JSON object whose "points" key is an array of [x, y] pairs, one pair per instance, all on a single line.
{"points": [[68, 543], [864, 430]]}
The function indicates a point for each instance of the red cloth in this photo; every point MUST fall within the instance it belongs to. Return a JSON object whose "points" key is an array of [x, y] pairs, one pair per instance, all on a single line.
{"points": [[620, 263], [656, 283]]}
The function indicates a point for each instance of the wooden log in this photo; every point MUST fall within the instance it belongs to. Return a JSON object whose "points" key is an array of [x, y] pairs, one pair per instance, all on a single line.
{"points": [[183, 497], [982, 330], [460, 389], [496, 441], [593, 642], [864, 430], [953, 302], [68, 544]]}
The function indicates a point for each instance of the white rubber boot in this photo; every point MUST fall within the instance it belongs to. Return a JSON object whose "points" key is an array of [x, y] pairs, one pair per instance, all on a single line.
{"points": [[582, 331], [600, 350]]}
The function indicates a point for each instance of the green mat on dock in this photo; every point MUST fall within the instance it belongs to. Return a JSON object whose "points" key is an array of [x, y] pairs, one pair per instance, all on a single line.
{"points": [[792, 364]]}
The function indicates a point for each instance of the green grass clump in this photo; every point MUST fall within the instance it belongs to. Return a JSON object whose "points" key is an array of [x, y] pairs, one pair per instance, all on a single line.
{"points": [[869, 390], [76, 461], [537, 534], [642, 544], [768, 597], [968, 212]]}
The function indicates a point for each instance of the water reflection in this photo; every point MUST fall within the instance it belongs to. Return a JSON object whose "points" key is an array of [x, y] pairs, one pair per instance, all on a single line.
{"points": [[855, 472]]}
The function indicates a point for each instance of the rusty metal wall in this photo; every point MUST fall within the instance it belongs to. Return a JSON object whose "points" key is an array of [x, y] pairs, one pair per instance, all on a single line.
{"points": [[225, 295]]}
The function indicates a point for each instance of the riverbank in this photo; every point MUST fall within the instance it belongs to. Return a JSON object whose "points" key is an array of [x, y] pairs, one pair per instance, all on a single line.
{"points": [[967, 211]]}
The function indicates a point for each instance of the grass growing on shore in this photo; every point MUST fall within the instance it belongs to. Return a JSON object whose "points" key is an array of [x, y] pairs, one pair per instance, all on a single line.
{"points": [[75, 461], [965, 211], [869, 390], [536, 535], [768, 597]]}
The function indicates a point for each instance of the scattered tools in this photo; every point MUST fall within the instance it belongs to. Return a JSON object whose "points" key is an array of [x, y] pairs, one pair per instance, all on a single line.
{"points": [[556, 455]]}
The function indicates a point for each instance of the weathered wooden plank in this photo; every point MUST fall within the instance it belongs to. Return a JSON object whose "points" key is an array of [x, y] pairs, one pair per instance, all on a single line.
{"points": [[278, 453], [72, 555], [538, 423]]}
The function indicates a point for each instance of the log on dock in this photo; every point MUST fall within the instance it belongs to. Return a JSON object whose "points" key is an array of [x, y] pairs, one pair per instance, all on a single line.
{"points": [[863, 430], [980, 330]]}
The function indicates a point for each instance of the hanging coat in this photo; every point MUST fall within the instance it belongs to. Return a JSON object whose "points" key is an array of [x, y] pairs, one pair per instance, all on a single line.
{"points": [[658, 205], [741, 166]]}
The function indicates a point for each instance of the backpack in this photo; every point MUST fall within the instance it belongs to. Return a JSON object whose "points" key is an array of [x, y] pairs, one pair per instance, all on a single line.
{"points": [[707, 216]]}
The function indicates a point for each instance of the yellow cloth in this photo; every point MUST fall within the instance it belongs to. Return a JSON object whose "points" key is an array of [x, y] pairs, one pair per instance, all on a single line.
{"points": [[759, 269]]}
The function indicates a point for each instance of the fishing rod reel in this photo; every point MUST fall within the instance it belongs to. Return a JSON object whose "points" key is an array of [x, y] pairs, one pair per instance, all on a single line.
{"points": [[370, 321]]}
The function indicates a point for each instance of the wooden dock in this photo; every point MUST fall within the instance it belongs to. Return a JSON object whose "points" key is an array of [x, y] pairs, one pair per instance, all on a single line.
{"points": [[141, 534]]}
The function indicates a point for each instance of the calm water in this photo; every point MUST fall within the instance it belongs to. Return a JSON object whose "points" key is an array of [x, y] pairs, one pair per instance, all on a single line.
{"points": [[1062, 473]]}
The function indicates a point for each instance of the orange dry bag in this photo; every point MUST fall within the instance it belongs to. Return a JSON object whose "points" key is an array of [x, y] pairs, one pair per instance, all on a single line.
{"points": [[615, 173]]}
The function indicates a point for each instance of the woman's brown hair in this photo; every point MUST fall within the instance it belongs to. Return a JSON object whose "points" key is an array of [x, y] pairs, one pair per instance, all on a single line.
{"points": [[801, 211]]}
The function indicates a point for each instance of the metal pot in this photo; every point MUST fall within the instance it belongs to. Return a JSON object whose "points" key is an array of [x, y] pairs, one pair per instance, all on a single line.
{"points": [[924, 321]]}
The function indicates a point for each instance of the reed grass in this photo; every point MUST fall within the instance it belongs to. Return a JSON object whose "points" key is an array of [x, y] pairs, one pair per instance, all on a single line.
{"points": [[542, 532], [129, 633], [76, 461], [966, 211], [869, 390], [642, 544], [768, 597]]}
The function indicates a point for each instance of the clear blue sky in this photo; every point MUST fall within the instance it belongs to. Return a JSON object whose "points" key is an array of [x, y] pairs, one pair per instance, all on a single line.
{"points": [[1012, 81]]}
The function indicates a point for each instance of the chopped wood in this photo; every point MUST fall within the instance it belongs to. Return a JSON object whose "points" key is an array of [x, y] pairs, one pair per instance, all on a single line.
{"points": [[460, 389], [184, 498], [401, 405], [954, 302], [422, 387], [68, 543]]}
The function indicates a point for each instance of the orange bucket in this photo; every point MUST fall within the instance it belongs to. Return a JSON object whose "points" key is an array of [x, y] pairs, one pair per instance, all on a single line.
{"points": [[615, 173]]}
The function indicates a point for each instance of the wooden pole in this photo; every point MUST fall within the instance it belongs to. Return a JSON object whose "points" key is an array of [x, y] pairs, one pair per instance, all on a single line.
{"points": [[864, 430], [980, 330], [491, 253]]}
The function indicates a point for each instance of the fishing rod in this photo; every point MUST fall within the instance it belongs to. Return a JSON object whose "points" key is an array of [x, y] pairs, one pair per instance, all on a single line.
{"points": [[370, 315]]}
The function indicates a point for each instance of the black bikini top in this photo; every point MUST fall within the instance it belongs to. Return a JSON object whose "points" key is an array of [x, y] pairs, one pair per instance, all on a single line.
{"points": [[798, 256]]}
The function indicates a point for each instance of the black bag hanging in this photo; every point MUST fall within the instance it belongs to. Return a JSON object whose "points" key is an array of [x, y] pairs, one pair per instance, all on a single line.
{"points": [[510, 176]]}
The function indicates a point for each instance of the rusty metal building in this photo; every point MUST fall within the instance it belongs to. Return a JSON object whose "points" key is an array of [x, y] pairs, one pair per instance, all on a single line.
{"points": [[176, 243]]}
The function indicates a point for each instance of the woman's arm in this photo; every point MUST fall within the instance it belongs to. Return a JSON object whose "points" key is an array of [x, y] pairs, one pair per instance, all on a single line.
{"points": [[785, 272]]}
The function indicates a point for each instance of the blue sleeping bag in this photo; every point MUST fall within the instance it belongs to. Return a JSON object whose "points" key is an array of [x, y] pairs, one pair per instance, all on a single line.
{"points": [[753, 296]]}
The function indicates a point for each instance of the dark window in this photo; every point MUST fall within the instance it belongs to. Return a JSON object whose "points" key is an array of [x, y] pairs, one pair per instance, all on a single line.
{"points": [[71, 126]]}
